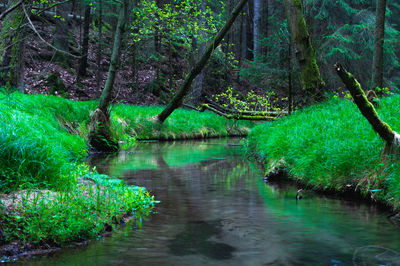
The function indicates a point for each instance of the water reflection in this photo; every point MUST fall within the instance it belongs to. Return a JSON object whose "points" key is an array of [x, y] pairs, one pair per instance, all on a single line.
{"points": [[216, 210], [195, 239]]}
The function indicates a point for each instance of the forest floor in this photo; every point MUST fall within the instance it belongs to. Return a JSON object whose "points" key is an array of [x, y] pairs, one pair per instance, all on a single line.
{"points": [[135, 82], [40, 64], [331, 147]]}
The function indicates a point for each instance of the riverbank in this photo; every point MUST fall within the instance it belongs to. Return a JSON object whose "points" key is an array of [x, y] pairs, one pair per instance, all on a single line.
{"points": [[331, 147], [49, 196]]}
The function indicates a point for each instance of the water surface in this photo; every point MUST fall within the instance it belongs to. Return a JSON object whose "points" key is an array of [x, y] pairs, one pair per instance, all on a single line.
{"points": [[216, 210]]}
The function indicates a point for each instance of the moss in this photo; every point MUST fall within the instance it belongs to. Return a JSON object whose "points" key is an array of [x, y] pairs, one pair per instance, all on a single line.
{"points": [[365, 107], [310, 75]]}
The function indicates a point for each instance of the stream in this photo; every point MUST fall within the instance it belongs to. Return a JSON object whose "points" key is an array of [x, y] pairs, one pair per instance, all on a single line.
{"points": [[216, 210]]}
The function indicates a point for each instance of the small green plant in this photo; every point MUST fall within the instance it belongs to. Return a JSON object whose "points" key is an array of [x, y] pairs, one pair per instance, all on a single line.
{"points": [[250, 102], [382, 91]]}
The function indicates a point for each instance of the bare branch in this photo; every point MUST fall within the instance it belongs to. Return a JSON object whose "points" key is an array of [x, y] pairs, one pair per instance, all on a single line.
{"points": [[51, 6], [11, 9]]}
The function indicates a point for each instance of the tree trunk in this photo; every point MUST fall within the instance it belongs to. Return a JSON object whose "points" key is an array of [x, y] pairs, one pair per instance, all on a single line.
{"points": [[197, 89], [290, 83], [257, 27], [312, 82], [249, 31], [241, 41], [60, 39], [366, 108], [377, 65], [99, 44], [12, 47], [264, 24], [85, 43], [391, 137], [100, 137], [185, 87]]}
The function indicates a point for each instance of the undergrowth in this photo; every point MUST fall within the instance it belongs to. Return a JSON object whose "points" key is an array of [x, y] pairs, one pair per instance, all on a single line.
{"points": [[332, 146]]}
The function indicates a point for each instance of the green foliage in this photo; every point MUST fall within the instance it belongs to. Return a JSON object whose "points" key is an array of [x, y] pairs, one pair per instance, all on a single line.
{"points": [[251, 102], [331, 145], [182, 20]]}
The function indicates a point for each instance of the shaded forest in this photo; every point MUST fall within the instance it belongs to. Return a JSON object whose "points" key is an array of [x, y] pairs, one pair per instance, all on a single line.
{"points": [[64, 48]]}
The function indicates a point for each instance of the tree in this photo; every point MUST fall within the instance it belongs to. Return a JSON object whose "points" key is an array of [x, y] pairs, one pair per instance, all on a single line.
{"points": [[250, 30], [100, 137], [197, 90], [377, 65], [12, 46], [312, 82], [85, 42], [257, 26], [61, 37], [185, 87]]}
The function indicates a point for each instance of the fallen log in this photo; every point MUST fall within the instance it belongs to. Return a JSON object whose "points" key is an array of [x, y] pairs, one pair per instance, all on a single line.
{"points": [[250, 113], [204, 107]]}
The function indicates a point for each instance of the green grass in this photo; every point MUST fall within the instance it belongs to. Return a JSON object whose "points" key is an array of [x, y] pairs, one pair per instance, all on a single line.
{"points": [[182, 124], [35, 149], [331, 145], [43, 148], [75, 215]]}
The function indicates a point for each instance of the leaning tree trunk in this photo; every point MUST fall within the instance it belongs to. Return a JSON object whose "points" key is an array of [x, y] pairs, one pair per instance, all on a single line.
{"points": [[377, 65], [185, 87], [100, 137], [367, 109], [12, 46], [312, 82]]}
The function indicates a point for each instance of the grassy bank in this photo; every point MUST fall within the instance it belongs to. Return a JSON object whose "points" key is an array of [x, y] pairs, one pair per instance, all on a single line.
{"points": [[332, 146], [48, 195]]}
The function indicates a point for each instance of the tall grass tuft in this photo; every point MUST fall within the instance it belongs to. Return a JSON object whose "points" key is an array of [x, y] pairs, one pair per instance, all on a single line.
{"points": [[35, 149]]}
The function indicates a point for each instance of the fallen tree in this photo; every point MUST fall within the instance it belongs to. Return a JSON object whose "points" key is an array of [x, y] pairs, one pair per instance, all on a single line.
{"points": [[238, 116], [177, 100], [250, 113]]}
